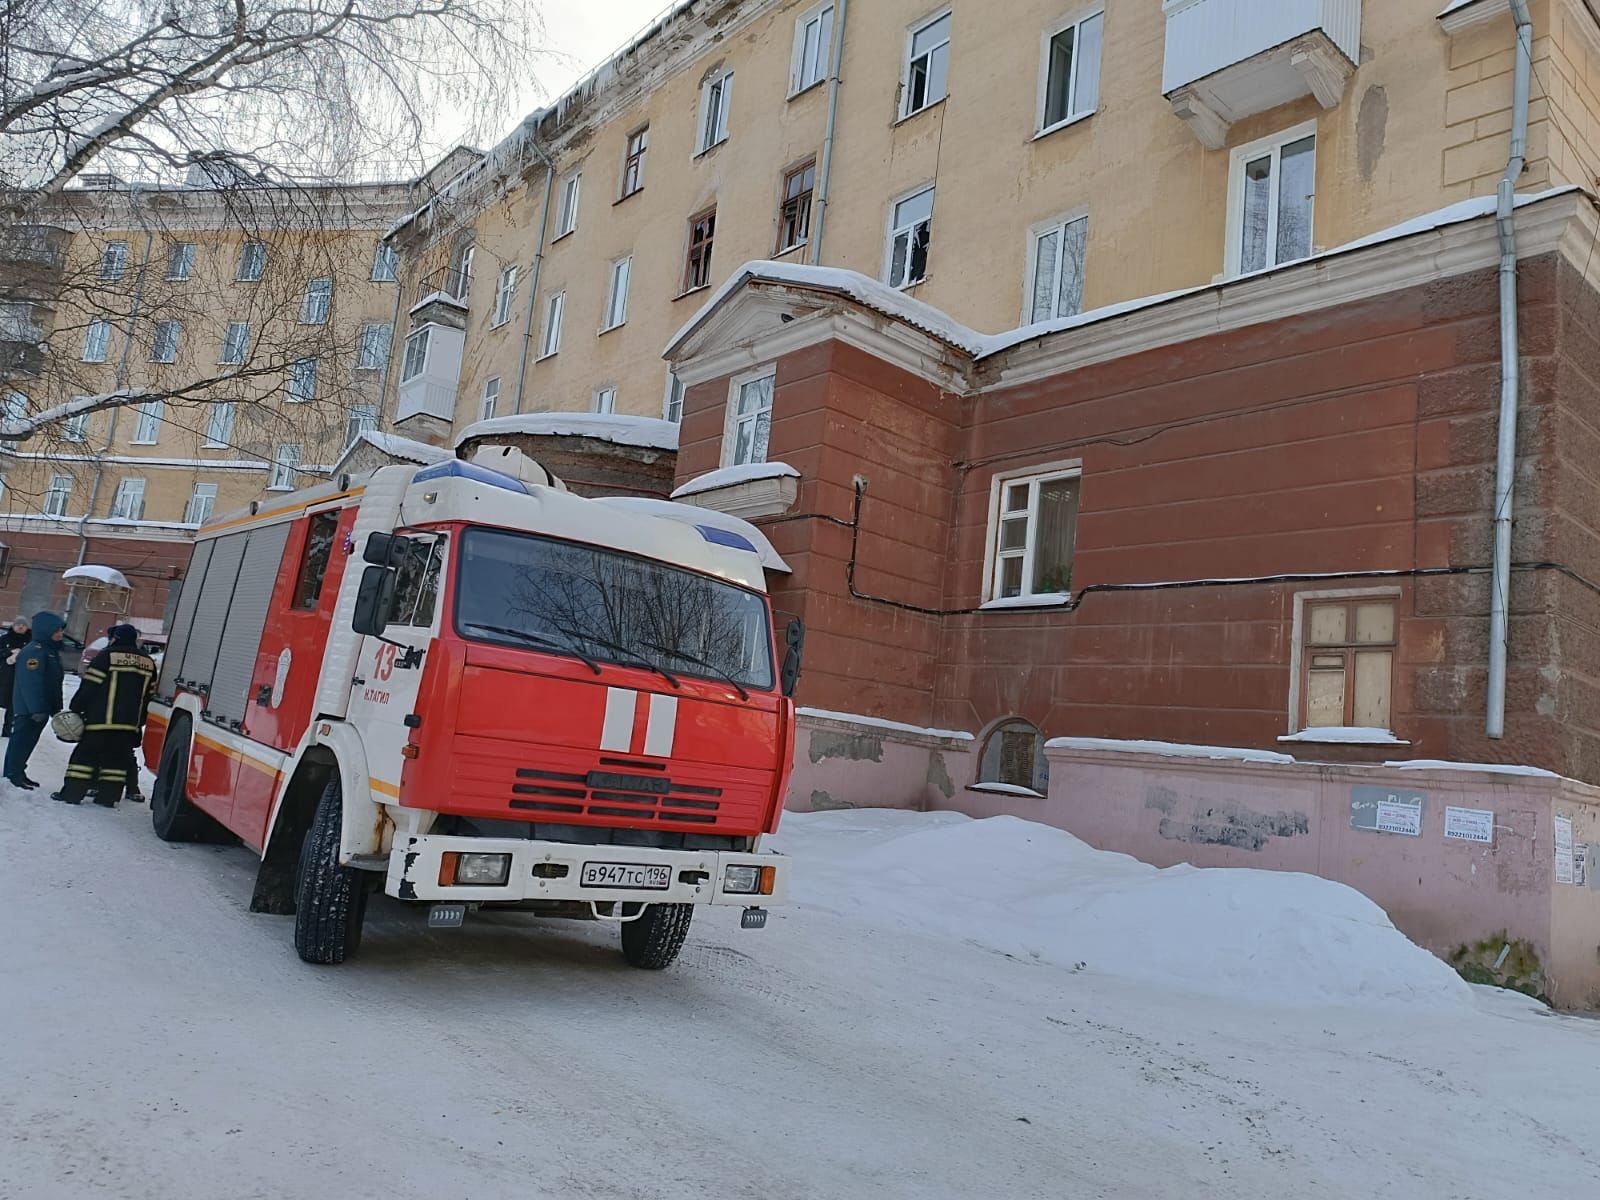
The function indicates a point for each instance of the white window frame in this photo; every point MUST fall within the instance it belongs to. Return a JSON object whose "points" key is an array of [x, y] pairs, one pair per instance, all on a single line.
{"points": [[1036, 231], [127, 504], [550, 337], [490, 400], [894, 231], [318, 301], [711, 133], [17, 405], [259, 260], [295, 391], [1034, 476], [385, 263], [905, 111], [358, 420], [219, 414], [505, 291], [567, 204], [114, 260], [286, 458], [162, 351], [623, 190], [180, 261], [367, 341], [800, 78], [619, 277], [97, 340], [604, 399], [672, 399], [732, 420], [58, 496], [414, 359], [229, 346], [196, 513], [147, 427], [1074, 115], [458, 274], [1242, 155], [76, 427]]}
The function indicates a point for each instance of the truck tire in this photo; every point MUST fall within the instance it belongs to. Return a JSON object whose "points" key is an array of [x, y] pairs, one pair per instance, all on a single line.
{"points": [[330, 900], [652, 941], [171, 815]]}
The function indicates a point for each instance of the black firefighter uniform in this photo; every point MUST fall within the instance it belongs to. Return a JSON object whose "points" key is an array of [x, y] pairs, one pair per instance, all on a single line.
{"points": [[113, 699]]}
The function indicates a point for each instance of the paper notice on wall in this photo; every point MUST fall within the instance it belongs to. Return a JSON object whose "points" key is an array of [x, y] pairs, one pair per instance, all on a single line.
{"points": [[1580, 864], [1566, 867], [1400, 815], [1469, 824]]}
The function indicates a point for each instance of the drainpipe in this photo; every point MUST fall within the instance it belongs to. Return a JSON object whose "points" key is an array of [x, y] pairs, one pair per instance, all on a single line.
{"points": [[824, 176], [538, 262], [1505, 467]]}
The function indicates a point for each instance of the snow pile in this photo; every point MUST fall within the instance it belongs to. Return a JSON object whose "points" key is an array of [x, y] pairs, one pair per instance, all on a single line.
{"points": [[650, 432], [1439, 764], [1033, 892], [1168, 749], [730, 476], [396, 446], [1351, 735], [823, 714]]}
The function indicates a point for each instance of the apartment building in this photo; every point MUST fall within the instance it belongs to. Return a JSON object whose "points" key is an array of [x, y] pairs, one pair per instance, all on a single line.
{"points": [[260, 321], [1007, 164]]}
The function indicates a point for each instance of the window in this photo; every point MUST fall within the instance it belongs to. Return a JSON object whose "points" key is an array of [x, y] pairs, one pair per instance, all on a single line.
{"points": [[716, 94], [147, 429], [1032, 531], [114, 260], [321, 534], [794, 212], [458, 277], [219, 425], [910, 234], [617, 294], [252, 262], [1348, 659], [57, 495], [180, 260], [318, 299], [128, 503], [416, 591], [96, 341], [374, 349], [551, 341], [1070, 74], [491, 398], [927, 66], [416, 354], [363, 418], [633, 157], [285, 458], [76, 427], [235, 343], [605, 399], [1013, 755], [1270, 201], [302, 380], [813, 39], [17, 322], [751, 419], [672, 403], [164, 345], [1055, 270], [385, 263], [505, 290], [201, 503], [567, 205], [16, 408], [697, 269]]}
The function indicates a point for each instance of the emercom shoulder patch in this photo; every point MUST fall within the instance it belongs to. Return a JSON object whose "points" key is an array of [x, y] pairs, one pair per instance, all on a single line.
{"points": [[33, 664]]}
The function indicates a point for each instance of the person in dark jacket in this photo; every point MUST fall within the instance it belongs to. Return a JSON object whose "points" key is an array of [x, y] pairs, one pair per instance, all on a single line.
{"points": [[113, 699], [35, 695], [17, 635]]}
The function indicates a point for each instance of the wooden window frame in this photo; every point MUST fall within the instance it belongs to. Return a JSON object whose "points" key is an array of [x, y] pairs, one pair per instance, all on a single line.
{"points": [[704, 247], [1347, 650]]}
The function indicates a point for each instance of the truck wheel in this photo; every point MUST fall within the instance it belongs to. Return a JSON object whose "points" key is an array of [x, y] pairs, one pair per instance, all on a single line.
{"points": [[330, 900], [654, 939], [171, 815]]}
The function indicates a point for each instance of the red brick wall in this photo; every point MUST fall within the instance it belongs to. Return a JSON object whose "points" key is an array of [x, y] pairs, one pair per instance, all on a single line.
{"points": [[150, 567]]}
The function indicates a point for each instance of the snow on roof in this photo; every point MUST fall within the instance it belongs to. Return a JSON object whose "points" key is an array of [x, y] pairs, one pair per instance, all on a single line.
{"points": [[823, 714], [728, 476], [1353, 735], [396, 446], [1438, 764], [621, 430], [693, 514], [440, 298], [1168, 749], [97, 574]]}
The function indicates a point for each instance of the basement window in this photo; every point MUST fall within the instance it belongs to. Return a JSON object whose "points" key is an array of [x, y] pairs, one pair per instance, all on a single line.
{"points": [[1013, 760]]}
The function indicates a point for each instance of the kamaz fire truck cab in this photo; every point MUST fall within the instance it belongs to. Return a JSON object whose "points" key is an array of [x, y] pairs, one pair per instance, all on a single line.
{"points": [[469, 688]]}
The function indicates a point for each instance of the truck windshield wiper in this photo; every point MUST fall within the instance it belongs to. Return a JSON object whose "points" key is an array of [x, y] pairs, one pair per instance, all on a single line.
{"points": [[537, 639], [710, 666], [633, 659]]}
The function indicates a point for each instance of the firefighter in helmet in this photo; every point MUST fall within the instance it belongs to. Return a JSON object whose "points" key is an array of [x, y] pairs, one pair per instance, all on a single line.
{"points": [[113, 699]]}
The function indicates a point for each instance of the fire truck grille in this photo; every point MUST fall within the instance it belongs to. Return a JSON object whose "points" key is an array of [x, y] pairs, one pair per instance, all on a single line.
{"points": [[616, 794]]}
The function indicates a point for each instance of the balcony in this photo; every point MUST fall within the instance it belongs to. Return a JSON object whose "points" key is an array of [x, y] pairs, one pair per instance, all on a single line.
{"points": [[1231, 59], [429, 372]]}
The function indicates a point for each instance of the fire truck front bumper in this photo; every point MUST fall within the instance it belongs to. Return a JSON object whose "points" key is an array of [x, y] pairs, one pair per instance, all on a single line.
{"points": [[486, 870]]}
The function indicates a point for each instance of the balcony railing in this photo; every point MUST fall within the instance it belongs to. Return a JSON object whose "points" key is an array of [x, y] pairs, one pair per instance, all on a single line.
{"points": [[448, 281]]}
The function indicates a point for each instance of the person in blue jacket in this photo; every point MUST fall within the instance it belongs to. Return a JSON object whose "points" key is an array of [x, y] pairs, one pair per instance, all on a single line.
{"points": [[35, 695]]}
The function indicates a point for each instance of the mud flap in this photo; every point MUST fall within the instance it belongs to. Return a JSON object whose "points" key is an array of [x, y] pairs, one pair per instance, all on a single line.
{"points": [[753, 918]]}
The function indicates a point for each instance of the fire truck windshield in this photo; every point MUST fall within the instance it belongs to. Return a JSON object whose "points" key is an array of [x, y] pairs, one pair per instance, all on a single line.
{"points": [[601, 605]]}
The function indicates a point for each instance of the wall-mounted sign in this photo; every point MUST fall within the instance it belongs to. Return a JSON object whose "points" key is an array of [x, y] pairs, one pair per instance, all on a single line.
{"points": [[1469, 824], [1566, 867], [1381, 810]]}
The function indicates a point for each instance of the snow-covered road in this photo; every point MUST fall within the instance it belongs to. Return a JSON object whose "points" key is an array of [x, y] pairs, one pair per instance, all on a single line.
{"points": [[158, 1040]]}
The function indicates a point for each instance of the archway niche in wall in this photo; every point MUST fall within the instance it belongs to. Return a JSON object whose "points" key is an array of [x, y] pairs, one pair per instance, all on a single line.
{"points": [[1013, 757]]}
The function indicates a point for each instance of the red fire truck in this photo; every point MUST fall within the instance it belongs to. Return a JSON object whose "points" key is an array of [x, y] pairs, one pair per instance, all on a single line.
{"points": [[469, 687]]}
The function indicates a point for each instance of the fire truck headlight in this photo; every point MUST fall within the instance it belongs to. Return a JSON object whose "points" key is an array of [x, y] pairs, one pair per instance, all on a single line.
{"points": [[741, 880], [483, 870]]}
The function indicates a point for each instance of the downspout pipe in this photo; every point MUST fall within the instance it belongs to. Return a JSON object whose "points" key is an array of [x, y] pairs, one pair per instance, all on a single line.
{"points": [[1505, 466], [841, 14], [538, 263]]}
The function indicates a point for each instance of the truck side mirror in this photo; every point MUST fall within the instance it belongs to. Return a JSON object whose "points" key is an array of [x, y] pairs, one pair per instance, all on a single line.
{"points": [[384, 549], [374, 600], [795, 639]]}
